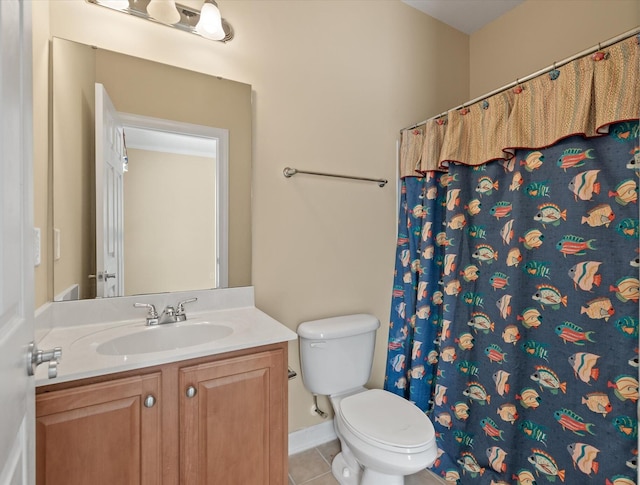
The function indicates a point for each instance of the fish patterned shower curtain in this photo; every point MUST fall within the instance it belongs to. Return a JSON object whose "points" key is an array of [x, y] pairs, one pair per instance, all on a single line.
{"points": [[533, 293]]}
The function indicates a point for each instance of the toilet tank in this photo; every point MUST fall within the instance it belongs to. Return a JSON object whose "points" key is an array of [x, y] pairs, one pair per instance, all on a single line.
{"points": [[336, 353]]}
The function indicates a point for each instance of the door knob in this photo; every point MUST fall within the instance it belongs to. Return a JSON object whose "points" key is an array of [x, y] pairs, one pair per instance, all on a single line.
{"points": [[36, 357]]}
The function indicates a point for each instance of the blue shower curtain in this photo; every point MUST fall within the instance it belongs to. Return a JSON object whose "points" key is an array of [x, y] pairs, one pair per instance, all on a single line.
{"points": [[529, 347]]}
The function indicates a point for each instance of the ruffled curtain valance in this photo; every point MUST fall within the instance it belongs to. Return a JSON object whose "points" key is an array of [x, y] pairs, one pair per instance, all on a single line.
{"points": [[582, 97]]}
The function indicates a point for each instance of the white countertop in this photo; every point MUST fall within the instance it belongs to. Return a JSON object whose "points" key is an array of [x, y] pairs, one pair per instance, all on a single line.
{"points": [[251, 328]]}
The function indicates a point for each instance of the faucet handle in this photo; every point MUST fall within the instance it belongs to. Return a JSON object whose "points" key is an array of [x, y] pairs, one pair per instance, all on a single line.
{"points": [[180, 306], [152, 316]]}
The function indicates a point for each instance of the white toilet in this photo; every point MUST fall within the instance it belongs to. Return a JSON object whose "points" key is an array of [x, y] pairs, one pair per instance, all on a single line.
{"points": [[383, 436]]}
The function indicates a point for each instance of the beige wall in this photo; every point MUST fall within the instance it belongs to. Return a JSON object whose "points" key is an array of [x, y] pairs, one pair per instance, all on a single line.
{"points": [[168, 197], [333, 83], [537, 33]]}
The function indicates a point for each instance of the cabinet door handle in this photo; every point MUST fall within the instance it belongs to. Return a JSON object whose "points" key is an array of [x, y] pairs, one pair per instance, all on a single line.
{"points": [[149, 401], [191, 391]]}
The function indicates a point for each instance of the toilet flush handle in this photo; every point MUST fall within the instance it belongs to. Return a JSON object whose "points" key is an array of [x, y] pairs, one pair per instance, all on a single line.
{"points": [[318, 345]]}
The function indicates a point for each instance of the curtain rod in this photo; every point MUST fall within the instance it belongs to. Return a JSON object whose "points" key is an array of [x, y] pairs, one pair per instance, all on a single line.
{"points": [[553, 66], [290, 172]]}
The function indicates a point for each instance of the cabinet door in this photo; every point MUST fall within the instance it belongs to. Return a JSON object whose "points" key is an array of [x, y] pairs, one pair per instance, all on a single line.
{"points": [[233, 430], [100, 434]]}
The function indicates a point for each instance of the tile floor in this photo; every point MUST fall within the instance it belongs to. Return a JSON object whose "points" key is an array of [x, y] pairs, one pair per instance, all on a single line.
{"points": [[313, 467]]}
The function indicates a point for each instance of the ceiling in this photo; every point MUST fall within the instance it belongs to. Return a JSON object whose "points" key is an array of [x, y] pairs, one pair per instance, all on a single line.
{"points": [[464, 15]]}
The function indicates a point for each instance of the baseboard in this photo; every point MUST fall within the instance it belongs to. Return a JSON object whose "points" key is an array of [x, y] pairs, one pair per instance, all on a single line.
{"points": [[307, 438]]}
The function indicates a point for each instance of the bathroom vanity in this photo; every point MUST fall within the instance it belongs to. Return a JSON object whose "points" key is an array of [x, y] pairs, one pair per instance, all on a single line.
{"points": [[213, 412]]}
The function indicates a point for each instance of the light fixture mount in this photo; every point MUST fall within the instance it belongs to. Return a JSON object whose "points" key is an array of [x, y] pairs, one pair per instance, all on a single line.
{"points": [[189, 16]]}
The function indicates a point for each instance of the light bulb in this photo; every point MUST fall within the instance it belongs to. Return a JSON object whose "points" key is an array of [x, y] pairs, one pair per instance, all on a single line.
{"points": [[117, 4], [210, 24], [164, 11]]}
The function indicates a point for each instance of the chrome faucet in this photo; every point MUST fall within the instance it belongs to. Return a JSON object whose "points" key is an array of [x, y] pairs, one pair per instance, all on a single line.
{"points": [[168, 315]]}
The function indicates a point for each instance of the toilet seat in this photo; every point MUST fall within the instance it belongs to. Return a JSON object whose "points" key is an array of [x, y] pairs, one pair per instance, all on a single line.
{"points": [[387, 421]]}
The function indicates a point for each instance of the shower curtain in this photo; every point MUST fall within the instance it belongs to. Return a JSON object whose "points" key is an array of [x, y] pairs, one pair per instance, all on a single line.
{"points": [[514, 320]]}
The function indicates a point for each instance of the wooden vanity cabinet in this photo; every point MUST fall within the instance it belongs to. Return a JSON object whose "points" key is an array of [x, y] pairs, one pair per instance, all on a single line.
{"points": [[220, 420], [100, 433]]}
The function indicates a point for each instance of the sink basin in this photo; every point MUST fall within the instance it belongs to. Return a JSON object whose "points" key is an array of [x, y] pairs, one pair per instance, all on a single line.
{"points": [[164, 337]]}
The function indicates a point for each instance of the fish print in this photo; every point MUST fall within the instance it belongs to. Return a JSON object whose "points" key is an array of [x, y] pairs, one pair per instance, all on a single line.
{"points": [[585, 185], [477, 232], [583, 365], [507, 232], [452, 287], [511, 334], [481, 322], [529, 398], [536, 349], [600, 215], [533, 161], [500, 379], [465, 439], [470, 464], [470, 273], [468, 368], [516, 182], [584, 457], [461, 410], [486, 186], [598, 308], [501, 209], [440, 394], [495, 354], [626, 426], [570, 421], [532, 239], [457, 222], [514, 257], [524, 477], [474, 207], [535, 190], [465, 341], [570, 244], [504, 306], [453, 199], [598, 402], [537, 269], [575, 157], [628, 326], [485, 254], [627, 288], [546, 464], [550, 296], [628, 228], [491, 429], [530, 318], [476, 392], [533, 431], [625, 192], [443, 419], [508, 412], [449, 264], [473, 299], [620, 480], [570, 332], [496, 457], [550, 213], [585, 275], [499, 281], [548, 379], [625, 387]]}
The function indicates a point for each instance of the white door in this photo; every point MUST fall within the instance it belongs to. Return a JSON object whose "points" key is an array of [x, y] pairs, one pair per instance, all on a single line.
{"points": [[17, 463], [110, 153]]}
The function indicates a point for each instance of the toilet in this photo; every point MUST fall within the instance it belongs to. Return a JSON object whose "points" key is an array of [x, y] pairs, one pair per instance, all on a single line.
{"points": [[383, 437]]}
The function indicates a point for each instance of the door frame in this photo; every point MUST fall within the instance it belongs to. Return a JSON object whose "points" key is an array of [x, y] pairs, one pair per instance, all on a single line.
{"points": [[221, 135]]}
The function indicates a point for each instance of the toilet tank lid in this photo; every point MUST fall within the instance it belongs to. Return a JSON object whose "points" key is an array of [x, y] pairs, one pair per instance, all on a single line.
{"points": [[338, 327]]}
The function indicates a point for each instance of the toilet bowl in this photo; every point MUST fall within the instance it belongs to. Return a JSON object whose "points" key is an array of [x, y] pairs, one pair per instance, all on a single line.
{"points": [[383, 437], [388, 436]]}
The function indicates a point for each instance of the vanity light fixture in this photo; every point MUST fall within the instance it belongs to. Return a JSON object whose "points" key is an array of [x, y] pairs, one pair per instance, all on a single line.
{"points": [[205, 22]]}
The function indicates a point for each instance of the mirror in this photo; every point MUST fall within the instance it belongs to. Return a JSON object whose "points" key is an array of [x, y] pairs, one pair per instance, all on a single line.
{"points": [[142, 89]]}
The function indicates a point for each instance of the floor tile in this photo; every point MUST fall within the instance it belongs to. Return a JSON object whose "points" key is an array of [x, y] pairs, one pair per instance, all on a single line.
{"points": [[306, 466], [329, 450], [326, 479]]}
